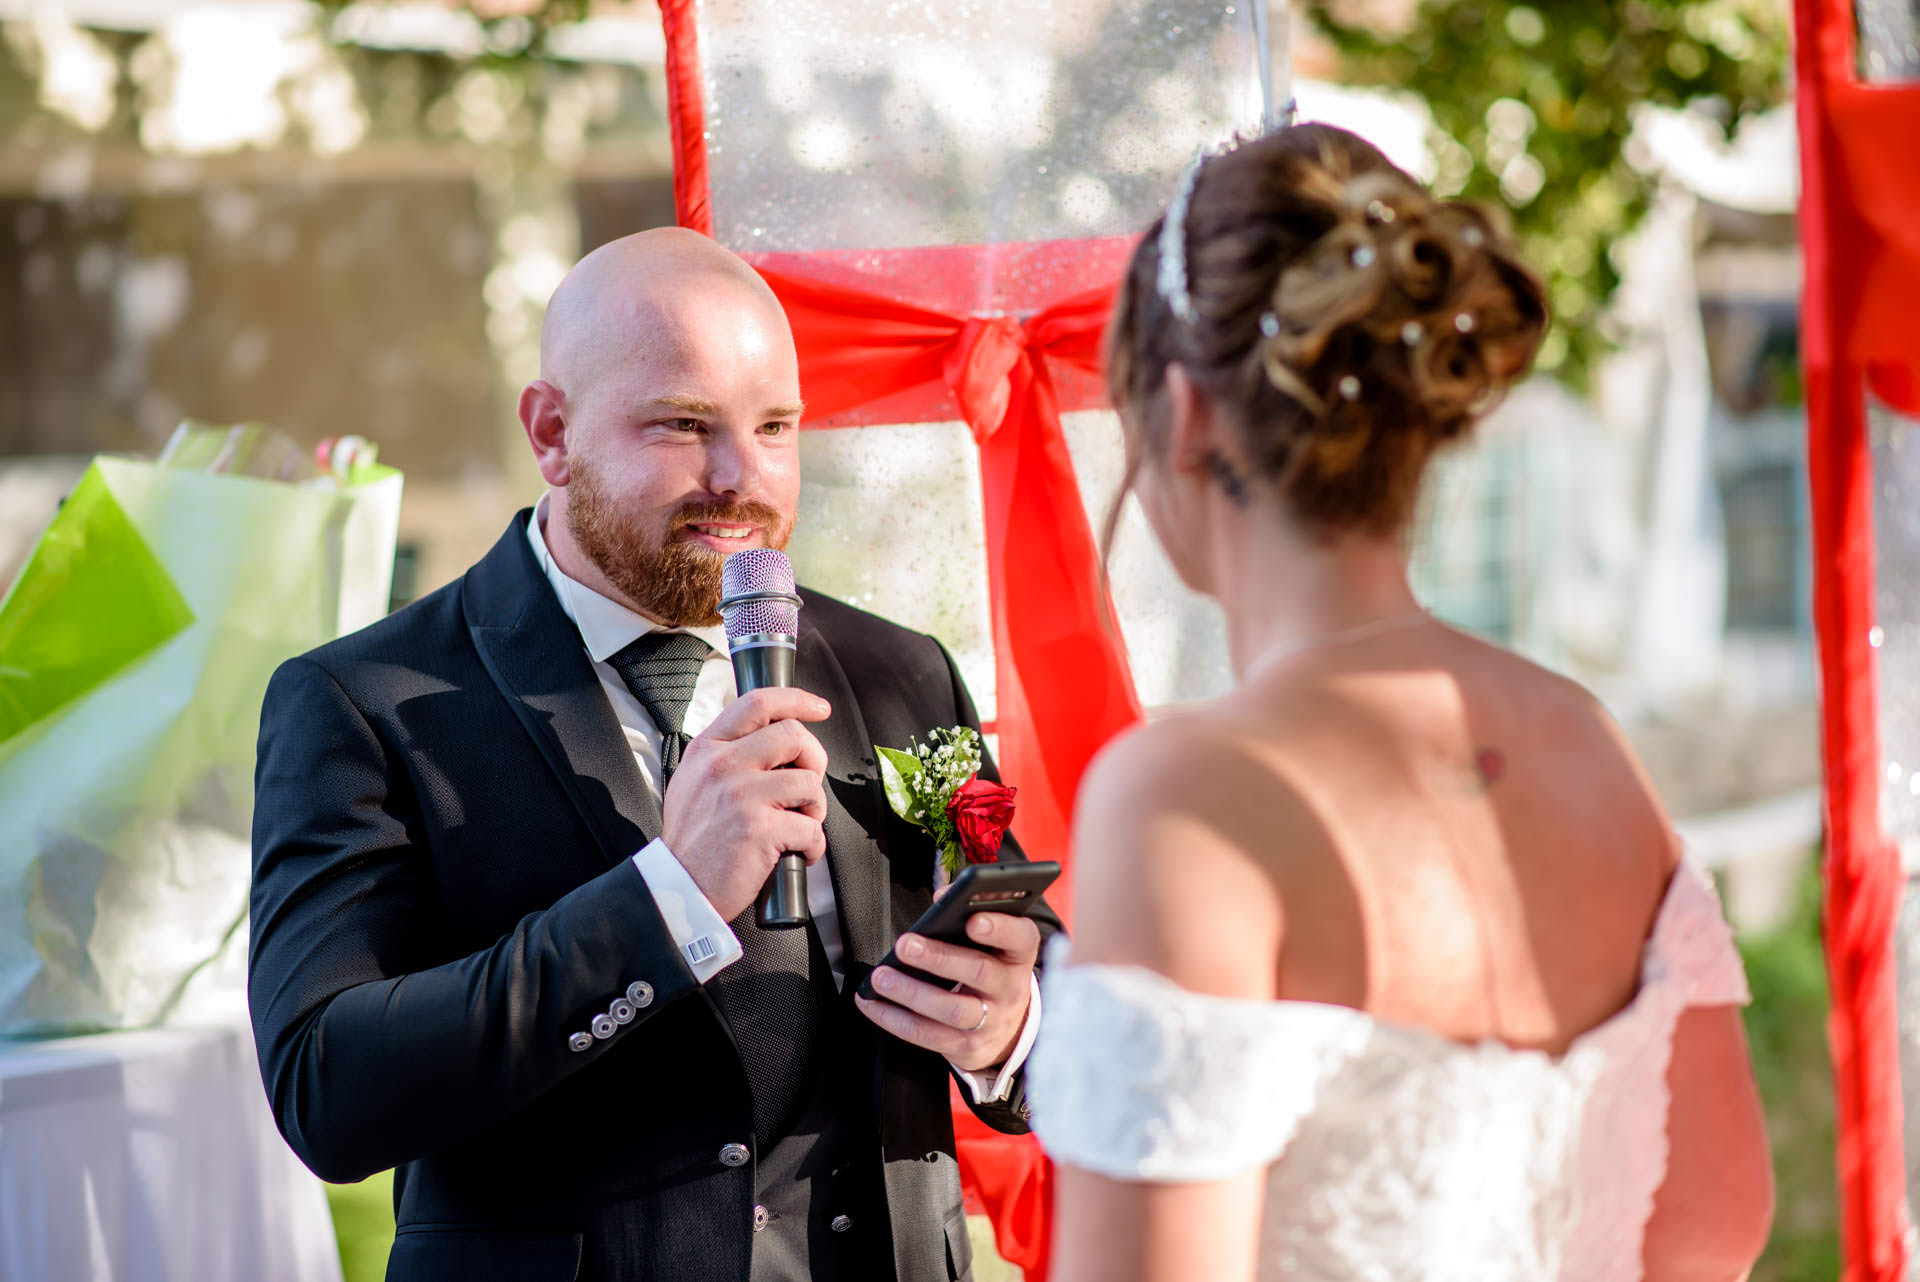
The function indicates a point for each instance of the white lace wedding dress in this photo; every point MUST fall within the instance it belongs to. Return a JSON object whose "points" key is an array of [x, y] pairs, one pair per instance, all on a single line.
{"points": [[1393, 1153]]}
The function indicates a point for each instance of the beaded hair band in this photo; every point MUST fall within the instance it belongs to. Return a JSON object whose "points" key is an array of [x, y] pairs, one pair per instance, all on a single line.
{"points": [[1172, 280]]}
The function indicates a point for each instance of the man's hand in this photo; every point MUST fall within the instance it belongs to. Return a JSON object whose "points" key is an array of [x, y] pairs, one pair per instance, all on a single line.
{"points": [[976, 1024], [750, 788]]}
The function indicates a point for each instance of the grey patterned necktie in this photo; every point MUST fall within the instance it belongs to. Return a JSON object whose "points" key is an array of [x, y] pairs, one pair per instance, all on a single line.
{"points": [[661, 669], [777, 994]]}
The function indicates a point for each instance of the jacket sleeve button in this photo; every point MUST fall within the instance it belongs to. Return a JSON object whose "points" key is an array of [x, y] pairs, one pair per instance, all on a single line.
{"points": [[580, 1041], [603, 1026], [734, 1155], [622, 1011], [640, 993]]}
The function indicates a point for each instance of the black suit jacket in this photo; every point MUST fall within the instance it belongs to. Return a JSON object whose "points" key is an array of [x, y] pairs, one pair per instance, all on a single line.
{"points": [[445, 809]]}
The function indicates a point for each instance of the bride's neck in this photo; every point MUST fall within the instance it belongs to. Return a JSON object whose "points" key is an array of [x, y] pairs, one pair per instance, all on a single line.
{"points": [[1281, 586]]}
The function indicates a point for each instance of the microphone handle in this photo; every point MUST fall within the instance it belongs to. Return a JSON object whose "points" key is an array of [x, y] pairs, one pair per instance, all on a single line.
{"points": [[761, 664]]}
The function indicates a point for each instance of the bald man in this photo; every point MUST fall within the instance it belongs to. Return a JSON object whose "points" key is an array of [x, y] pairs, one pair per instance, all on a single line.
{"points": [[507, 842]]}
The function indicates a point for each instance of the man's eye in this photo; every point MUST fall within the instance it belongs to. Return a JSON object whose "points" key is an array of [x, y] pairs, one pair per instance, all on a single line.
{"points": [[775, 429], [686, 424]]}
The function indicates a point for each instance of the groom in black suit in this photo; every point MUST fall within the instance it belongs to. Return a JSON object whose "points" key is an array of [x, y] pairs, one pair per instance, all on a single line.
{"points": [[506, 844]]}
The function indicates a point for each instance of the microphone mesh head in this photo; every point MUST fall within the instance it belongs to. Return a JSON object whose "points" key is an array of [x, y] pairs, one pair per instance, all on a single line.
{"points": [[752, 571]]}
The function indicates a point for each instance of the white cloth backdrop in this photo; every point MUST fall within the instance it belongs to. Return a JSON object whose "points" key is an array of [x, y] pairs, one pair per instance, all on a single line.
{"points": [[142, 1156]]}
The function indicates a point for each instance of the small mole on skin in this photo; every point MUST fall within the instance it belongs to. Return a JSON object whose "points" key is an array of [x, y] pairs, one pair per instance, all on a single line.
{"points": [[1490, 764]]}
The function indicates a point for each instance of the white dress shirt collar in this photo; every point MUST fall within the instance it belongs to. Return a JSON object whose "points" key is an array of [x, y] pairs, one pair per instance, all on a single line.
{"points": [[606, 626]]}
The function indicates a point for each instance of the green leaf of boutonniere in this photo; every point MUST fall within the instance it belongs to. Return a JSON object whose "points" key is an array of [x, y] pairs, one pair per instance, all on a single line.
{"points": [[895, 768]]}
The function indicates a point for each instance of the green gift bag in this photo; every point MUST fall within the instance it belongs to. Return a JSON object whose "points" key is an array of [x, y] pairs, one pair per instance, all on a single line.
{"points": [[135, 648]]}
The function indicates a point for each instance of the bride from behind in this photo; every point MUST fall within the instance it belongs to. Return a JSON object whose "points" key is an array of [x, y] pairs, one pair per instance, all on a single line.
{"points": [[1386, 965]]}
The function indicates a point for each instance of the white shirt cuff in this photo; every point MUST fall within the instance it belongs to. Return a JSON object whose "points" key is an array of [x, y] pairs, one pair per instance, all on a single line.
{"points": [[1022, 1047], [706, 943]]}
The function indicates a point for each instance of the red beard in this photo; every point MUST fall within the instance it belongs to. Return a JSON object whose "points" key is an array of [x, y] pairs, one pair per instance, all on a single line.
{"points": [[668, 577]]}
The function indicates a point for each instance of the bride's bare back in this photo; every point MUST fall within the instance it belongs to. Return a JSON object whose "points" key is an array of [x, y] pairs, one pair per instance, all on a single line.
{"points": [[1438, 833], [1482, 857]]}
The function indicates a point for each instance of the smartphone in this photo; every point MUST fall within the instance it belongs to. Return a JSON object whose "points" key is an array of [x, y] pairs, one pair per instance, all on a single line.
{"points": [[1013, 889]]}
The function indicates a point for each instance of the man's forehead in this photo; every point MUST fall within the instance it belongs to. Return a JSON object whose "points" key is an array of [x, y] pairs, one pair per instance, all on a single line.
{"points": [[705, 407]]}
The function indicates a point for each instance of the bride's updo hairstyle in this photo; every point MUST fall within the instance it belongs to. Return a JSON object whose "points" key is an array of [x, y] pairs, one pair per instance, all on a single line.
{"points": [[1348, 321]]}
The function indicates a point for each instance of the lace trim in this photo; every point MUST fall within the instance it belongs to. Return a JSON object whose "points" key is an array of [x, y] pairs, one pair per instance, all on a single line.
{"points": [[1137, 1078]]}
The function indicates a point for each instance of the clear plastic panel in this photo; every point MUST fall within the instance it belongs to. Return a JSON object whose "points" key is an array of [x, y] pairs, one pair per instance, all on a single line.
{"points": [[1176, 638], [857, 124], [891, 521], [1894, 442], [1889, 32], [1894, 446]]}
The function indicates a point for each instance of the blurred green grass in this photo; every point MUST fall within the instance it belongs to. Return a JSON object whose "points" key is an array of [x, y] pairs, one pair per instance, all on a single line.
{"points": [[1787, 1028], [1786, 1025]]}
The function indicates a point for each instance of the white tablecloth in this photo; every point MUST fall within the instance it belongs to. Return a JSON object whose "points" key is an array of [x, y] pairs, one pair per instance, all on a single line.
{"points": [[151, 1156]]}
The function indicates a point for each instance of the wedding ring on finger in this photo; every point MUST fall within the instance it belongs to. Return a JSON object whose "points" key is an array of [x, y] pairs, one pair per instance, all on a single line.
{"points": [[983, 1017]]}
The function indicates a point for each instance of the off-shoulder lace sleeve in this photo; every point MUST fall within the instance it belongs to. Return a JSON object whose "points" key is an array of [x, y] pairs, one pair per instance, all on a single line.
{"points": [[1137, 1078], [1692, 944]]}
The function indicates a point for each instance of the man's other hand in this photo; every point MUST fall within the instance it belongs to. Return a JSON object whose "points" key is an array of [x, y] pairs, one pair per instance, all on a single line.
{"points": [[976, 1021]]}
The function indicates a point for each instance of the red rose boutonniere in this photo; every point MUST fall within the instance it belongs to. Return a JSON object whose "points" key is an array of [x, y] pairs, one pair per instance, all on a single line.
{"points": [[937, 786]]}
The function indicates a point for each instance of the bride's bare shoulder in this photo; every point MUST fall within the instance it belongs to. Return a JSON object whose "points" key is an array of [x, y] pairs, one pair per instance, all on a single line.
{"points": [[1172, 831]]}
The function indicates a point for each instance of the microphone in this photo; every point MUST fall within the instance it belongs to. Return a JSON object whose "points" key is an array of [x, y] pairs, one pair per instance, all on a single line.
{"points": [[762, 614]]}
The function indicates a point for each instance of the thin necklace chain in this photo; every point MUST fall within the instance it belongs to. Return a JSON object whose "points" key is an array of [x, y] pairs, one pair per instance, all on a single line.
{"points": [[1371, 627]]}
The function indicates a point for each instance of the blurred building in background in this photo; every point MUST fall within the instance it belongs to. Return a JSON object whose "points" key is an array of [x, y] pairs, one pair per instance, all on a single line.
{"points": [[349, 225]]}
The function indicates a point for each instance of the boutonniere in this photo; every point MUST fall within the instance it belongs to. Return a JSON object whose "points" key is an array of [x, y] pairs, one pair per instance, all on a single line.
{"points": [[937, 786]]}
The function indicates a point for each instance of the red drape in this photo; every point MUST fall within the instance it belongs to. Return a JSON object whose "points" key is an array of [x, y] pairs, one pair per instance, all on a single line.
{"points": [[1861, 239], [1060, 668]]}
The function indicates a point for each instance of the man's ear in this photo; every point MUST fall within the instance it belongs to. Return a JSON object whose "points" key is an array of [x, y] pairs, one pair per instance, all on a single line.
{"points": [[1190, 426], [543, 416]]}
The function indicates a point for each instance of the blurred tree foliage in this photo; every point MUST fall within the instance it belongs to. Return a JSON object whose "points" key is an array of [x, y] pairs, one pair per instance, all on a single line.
{"points": [[514, 28], [1533, 105]]}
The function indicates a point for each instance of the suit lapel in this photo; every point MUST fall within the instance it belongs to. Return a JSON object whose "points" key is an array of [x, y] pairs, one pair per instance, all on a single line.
{"points": [[859, 868], [532, 650]]}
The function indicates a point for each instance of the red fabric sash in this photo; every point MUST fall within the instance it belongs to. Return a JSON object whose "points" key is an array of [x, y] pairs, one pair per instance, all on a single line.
{"points": [[1060, 666], [1861, 241]]}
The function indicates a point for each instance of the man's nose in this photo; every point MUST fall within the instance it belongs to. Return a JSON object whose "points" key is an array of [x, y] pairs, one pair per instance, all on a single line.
{"points": [[733, 465]]}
